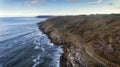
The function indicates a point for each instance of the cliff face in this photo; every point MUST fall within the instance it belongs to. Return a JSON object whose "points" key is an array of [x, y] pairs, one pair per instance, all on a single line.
{"points": [[88, 41]]}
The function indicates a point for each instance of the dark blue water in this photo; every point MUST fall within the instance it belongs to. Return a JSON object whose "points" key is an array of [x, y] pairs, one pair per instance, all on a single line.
{"points": [[22, 44]]}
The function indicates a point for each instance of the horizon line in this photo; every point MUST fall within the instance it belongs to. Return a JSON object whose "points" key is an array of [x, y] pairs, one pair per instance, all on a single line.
{"points": [[57, 15]]}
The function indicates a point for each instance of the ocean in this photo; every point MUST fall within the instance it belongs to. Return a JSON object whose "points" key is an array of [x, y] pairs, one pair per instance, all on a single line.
{"points": [[22, 44]]}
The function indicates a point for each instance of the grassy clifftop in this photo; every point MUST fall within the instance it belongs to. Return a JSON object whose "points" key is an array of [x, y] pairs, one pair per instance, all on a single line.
{"points": [[88, 40]]}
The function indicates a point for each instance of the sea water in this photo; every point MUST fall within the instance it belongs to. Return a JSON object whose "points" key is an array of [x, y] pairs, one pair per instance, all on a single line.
{"points": [[22, 44]]}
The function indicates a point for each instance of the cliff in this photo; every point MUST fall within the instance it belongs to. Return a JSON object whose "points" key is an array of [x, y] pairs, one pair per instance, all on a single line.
{"points": [[88, 40]]}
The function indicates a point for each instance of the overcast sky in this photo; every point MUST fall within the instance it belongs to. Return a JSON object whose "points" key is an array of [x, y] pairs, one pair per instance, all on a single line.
{"points": [[57, 7]]}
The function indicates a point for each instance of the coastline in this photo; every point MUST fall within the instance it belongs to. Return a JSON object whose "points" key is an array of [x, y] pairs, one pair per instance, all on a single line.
{"points": [[49, 37], [63, 61], [76, 52]]}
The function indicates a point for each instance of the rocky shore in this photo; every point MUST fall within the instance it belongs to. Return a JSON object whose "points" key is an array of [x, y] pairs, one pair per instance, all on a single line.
{"points": [[88, 40]]}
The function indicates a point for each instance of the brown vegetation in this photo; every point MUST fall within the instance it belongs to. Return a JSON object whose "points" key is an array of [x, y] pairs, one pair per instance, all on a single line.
{"points": [[88, 41]]}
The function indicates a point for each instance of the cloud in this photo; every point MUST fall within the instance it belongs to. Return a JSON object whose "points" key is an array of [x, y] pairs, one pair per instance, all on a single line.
{"points": [[73, 0], [100, 1], [118, 7], [37, 1], [97, 2], [34, 2], [92, 3], [110, 3], [42, 2]]}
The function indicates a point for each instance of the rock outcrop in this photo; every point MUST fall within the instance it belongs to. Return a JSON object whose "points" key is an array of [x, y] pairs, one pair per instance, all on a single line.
{"points": [[88, 41]]}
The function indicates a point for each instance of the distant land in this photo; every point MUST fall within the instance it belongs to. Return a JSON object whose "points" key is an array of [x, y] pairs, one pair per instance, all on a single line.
{"points": [[45, 16], [88, 40]]}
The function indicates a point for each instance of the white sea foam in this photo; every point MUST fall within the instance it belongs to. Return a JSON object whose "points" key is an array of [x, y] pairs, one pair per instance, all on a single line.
{"points": [[37, 47], [49, 50], [18, 34]]}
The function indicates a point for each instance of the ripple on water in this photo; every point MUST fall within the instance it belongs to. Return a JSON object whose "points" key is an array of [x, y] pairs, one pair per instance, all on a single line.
{"points": [[22, 44]]}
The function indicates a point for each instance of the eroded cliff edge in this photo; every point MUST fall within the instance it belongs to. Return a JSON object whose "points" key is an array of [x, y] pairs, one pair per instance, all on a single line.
{"points": [[88, 41]]}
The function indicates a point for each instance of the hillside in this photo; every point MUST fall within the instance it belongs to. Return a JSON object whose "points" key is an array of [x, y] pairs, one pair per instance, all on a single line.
{"points": [[88, 40]]}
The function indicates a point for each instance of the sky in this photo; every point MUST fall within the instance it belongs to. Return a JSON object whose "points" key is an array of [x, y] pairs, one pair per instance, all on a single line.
{"points": [[57, 7]]}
